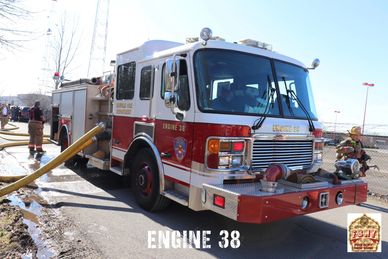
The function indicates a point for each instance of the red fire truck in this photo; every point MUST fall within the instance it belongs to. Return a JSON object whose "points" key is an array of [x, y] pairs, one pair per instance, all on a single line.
{"points": [[212, 125]]}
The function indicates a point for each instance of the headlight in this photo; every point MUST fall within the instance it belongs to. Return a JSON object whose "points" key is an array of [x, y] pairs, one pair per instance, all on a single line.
{"points": [[224, 161], [236, 161], [305, 203], [225, 153]]}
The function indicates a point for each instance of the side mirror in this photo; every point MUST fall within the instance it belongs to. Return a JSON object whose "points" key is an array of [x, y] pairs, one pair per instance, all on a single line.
{"points": [[171, 82], [315, 64], [169, 99], [172, 72]]}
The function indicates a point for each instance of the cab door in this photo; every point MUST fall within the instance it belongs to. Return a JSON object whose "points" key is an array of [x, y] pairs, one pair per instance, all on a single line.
{"points": [[174, 121]]}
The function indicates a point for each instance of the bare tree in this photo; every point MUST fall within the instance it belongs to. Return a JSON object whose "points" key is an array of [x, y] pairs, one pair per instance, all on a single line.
{"points": [[10, 13], [65, 46]]}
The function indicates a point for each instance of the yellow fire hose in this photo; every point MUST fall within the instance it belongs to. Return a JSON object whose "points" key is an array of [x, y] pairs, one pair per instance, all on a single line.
{"points": [[12, 139], [10, 178], [16, 139], [14, 127], [13, 178], [69, 152], [19, 143], [19, 134]]}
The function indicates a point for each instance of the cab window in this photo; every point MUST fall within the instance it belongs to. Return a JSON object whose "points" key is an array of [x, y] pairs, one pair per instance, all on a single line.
{"points": [[183, 102], [126, 81], [146, 83]]}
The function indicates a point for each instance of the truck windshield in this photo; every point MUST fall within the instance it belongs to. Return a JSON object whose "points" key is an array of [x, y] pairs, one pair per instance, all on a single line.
{"points": [[234, 82], [294, 81]]}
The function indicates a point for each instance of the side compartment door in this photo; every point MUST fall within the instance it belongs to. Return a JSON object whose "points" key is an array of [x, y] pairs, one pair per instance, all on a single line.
{"points": [[79, 116]]}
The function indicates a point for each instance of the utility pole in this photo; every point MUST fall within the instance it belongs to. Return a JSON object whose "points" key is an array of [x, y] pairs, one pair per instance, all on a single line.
{"points": [[366, 103], [335, 126]]}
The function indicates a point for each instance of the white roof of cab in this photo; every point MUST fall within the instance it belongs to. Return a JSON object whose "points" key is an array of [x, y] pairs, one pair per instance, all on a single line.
{"points": [[146, 50], [160, 48]]}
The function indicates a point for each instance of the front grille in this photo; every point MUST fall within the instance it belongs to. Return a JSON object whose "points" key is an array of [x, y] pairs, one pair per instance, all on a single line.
{"points": [[293, 153]]}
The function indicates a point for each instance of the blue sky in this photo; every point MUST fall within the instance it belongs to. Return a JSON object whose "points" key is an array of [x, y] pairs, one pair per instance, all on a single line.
{"points": [[349, 37]]}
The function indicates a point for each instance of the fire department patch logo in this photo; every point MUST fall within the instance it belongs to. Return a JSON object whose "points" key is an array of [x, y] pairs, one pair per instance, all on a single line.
{"points": [[364, 232], [180, 147]]}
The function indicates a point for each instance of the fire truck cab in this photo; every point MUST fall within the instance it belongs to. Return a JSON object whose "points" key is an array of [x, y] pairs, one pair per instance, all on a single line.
{"points": [[212, 125]]}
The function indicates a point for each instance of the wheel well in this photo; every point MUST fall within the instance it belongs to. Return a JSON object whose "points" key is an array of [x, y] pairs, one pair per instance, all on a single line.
{"points": [[130, 155]]}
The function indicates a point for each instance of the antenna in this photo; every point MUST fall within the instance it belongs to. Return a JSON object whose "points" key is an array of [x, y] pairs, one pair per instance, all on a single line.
{"points": [[100, 33]]}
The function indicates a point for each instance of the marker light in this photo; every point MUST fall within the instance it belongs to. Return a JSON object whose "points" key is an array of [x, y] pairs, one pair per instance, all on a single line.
{"points": [[238, 146], [225, 146], [318, 133], [219, 201], [213, 146], [318, 145]]}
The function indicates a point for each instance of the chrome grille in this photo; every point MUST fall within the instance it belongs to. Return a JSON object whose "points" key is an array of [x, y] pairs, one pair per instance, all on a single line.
{"points": [[293, 153]]}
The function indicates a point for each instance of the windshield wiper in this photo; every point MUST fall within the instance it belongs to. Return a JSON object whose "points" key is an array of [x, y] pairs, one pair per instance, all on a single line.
{"points": [[259, 122], [288, 99], [310, 121]]}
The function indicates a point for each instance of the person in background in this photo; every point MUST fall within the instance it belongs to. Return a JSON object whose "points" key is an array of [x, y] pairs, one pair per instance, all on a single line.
{"points": [[352, 147], [35, 128], [15, 113], [224, 101], [228, 101], [253, 102], [4, 115]]}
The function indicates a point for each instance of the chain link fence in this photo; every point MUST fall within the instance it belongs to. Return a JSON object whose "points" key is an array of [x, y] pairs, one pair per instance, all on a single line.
{"points": [[377, 179]]}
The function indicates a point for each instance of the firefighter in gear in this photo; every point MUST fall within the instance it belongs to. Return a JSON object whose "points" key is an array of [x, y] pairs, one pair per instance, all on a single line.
{"points": [[352, 147], [35, 128]]}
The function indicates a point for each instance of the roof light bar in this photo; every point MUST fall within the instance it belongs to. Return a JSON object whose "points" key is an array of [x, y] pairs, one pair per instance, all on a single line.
{"points": [[256, 44]]}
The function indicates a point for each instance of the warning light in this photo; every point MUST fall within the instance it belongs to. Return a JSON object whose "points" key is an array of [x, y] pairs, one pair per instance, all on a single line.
{"points": [[56, 75]]}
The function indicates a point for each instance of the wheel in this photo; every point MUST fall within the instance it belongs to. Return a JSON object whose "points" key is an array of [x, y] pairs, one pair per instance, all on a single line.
{"points": [[145, 182], [81, 162], [64, 142]]}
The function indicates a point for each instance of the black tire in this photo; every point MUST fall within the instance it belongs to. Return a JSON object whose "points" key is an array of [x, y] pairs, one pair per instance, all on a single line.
{"points": [[145, 182], [81, 162], [64, 142]]}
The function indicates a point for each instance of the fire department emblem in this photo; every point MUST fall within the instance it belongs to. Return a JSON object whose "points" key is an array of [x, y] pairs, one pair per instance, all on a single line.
{"points": [[180, 147], [364, 233]]}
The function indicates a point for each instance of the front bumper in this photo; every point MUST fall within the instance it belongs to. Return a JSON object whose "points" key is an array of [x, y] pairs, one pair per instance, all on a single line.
{"points": [[247, 203]]}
